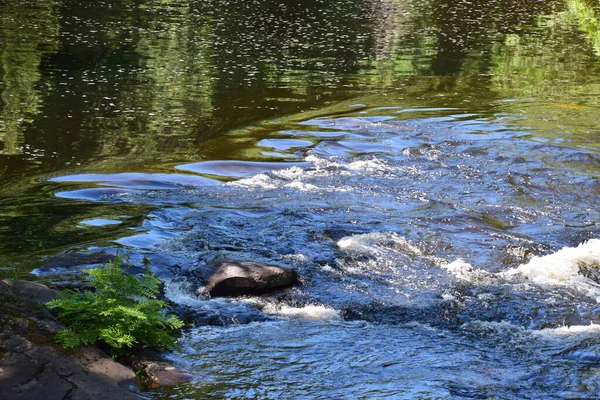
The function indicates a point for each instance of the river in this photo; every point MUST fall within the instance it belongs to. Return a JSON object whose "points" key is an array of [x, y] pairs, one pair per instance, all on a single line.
{"points": [[430, 168]]}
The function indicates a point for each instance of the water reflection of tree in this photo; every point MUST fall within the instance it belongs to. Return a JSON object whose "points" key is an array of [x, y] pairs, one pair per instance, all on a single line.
{"points": [[151, 78], [155, 78], [467, 29], [587, 15], [275, 57], [27, 32]]}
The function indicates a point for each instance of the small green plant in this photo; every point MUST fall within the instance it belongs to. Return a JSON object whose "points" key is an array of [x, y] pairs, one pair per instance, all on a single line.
{"points": [[123, 312]]}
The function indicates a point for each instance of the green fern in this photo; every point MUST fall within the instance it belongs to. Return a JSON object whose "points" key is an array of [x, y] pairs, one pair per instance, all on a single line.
{"points": [[123, 312]]}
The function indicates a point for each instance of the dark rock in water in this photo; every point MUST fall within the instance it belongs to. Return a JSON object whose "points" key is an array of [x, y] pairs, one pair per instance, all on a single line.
{"points": [[230, 314], [155, 373], [32, 366], [68, 260], [338, 232], [235, 278], [590, 270]]}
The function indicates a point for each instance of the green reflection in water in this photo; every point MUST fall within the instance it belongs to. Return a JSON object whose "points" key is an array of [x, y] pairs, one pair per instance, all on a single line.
{"points": [[28, 33], [587, 14]]}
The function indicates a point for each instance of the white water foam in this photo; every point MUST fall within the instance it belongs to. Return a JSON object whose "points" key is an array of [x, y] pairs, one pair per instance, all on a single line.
{"points": [[464, 271], [567, 331], [301, 186], [181, 293], [308, 311], [323, 164], [562, 268], [372, 167], [371, 243], [262, 181], [289, 173]]}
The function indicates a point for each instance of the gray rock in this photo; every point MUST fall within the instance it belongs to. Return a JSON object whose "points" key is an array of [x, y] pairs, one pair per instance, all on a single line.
{"points": [[32, 366], [69, 260], [31, 290], [236, 278]]}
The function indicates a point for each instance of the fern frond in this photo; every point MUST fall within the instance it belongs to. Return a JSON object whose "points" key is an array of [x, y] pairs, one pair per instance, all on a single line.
{"points": [[122, 312], [116, 337]]}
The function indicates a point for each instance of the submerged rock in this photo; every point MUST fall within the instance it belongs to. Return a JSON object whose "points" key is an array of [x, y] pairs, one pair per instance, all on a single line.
{"points": [[69, 260], [32, 366], [230, 314], [236, 278]]}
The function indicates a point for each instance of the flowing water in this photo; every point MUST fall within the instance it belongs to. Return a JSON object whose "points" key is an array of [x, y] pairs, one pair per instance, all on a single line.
{"points": [[430, 168]]}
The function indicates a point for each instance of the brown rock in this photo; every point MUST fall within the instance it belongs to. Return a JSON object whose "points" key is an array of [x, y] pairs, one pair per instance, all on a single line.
{"points": [[235, 278], [155, 374]]}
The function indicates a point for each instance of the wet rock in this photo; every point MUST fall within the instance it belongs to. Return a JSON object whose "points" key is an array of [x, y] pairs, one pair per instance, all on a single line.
{"points": [[154, 373], [74, 285], [31, 290], [590, 270], [338, 232], [235, 278], [32, 366], [223, 316], [68, 260]]}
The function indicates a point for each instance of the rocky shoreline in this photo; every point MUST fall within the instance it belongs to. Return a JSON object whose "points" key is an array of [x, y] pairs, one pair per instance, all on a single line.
{"points": [[33, 366]]}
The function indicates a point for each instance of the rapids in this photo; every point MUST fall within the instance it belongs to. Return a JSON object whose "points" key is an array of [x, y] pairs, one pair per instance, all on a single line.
{"points": [[429, 167], [433, 263]]}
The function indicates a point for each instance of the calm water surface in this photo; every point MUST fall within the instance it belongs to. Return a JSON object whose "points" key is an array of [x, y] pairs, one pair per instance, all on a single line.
{"points": [[430, 168]]}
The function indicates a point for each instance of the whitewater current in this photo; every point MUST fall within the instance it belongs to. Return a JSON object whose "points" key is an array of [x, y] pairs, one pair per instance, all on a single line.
{"points": [[447, 257]]}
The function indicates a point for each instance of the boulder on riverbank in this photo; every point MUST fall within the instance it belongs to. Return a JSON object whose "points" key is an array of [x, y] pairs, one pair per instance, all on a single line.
{"points": [[236, 278], [32, 366]]}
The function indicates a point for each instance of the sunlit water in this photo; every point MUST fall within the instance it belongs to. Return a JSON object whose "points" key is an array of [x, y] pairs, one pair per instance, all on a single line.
{"points": [[430, 169], [429, 251]]}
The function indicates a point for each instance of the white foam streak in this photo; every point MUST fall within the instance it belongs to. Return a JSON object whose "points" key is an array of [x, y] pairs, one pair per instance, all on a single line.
{"points": [[308, 311], [566, 331], [262, 181], [562, 268], [370, 243], [370, 167]]}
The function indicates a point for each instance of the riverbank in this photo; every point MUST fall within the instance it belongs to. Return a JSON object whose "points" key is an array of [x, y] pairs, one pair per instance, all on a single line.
{"points": [[32, 366]]}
